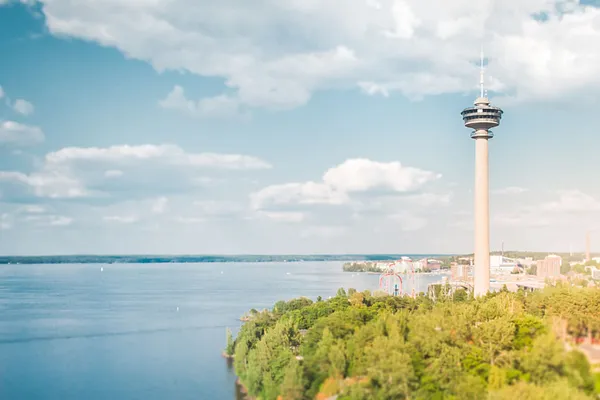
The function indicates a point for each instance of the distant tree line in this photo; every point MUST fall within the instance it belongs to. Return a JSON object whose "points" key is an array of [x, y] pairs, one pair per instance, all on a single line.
{"points": [[142, 259], [364, 266]]}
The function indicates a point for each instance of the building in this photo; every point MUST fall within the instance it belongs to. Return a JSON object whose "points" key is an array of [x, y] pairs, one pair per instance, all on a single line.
{"points": [[460, 272], [596, 274], [555, 257], [420, 264], [526, 262], [481, 118], [503, 265], [549, 267], [401, 266], [427, 265]]}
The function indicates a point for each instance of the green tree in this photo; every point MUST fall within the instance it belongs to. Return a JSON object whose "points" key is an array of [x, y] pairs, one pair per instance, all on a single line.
{"points": [[292, 387], [532, 270], [527, 391], [229, 349]]}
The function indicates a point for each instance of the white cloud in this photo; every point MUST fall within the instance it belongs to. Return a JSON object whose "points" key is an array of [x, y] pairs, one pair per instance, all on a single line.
{"points": [[360, 175], [510, 190], [168, 154], [1, 90], [409, 222], [276, 54], [324, 232], [60, 221], [113, 173], [49, 220], [23, 107], [284, 216], [572, 207], [407, 211], [430, 199], [189, 220], [212, 208], [87, 171], [34, 209], [297, 193], [25, 2], [20, 134], [523, 219], [160, 205], [339, 182], [218, 106], [48, 183], [573, 201], [405, 21], [5, 222], [123, 219]]}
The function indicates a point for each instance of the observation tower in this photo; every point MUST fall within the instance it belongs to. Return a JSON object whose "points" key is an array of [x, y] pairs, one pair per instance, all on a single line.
{"points": [[481, 118]]}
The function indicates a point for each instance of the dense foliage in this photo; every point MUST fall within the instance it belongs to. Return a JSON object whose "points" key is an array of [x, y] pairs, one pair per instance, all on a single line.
{"points": [[359, 346], [368, 266], [229, 347], [362, 266]]}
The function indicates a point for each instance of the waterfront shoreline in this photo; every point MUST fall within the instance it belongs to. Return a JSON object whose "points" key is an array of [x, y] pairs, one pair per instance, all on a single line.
{"points": [[243, 391], [198, 258]]}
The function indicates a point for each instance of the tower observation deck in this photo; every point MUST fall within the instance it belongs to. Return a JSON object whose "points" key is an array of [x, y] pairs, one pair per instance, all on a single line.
{"points": [[481, 118]]}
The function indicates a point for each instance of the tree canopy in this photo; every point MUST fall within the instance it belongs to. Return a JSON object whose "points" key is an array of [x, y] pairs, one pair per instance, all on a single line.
{"points": [[360, 346]]}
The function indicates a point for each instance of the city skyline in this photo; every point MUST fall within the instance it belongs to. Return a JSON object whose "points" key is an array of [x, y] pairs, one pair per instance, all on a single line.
{"points": [[290, 129]]}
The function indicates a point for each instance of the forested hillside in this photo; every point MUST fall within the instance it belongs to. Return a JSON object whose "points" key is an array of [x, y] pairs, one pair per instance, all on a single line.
{"points": [[357, 346]]}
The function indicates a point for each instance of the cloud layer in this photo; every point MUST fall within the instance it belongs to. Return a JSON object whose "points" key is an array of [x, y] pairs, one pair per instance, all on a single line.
{"points": [[15, 133], [338, 183], [354, 193], [75, 172], [416, 47]]}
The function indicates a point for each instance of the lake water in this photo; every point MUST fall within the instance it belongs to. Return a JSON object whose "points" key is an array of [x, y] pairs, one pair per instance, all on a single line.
{"points": [[140, 331]]}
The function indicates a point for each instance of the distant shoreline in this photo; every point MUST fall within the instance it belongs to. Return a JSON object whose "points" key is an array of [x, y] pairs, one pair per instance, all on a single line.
{"points": [[161, 259], [247, 258]]}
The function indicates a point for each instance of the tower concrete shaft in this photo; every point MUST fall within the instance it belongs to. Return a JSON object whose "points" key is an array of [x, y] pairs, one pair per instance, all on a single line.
{"points": [[481, 272], [481, 118]]}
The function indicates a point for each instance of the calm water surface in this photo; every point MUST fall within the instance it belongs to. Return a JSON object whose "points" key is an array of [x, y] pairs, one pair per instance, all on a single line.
{"points": [[140, 331]]}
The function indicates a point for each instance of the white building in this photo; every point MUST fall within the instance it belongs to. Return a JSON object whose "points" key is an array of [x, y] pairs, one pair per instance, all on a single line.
{"points": [[400, 267], [502, 265], [404, 265]]}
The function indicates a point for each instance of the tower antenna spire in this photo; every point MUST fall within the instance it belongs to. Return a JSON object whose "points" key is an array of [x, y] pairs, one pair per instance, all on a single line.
{"points": [[481, 77]]}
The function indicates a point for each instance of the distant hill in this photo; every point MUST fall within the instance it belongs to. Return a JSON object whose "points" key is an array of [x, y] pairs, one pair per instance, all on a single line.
{"points": [[144, 259]]}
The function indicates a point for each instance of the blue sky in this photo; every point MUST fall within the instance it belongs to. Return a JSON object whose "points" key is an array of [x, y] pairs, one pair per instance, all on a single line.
{"points": [[293, 127]]}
